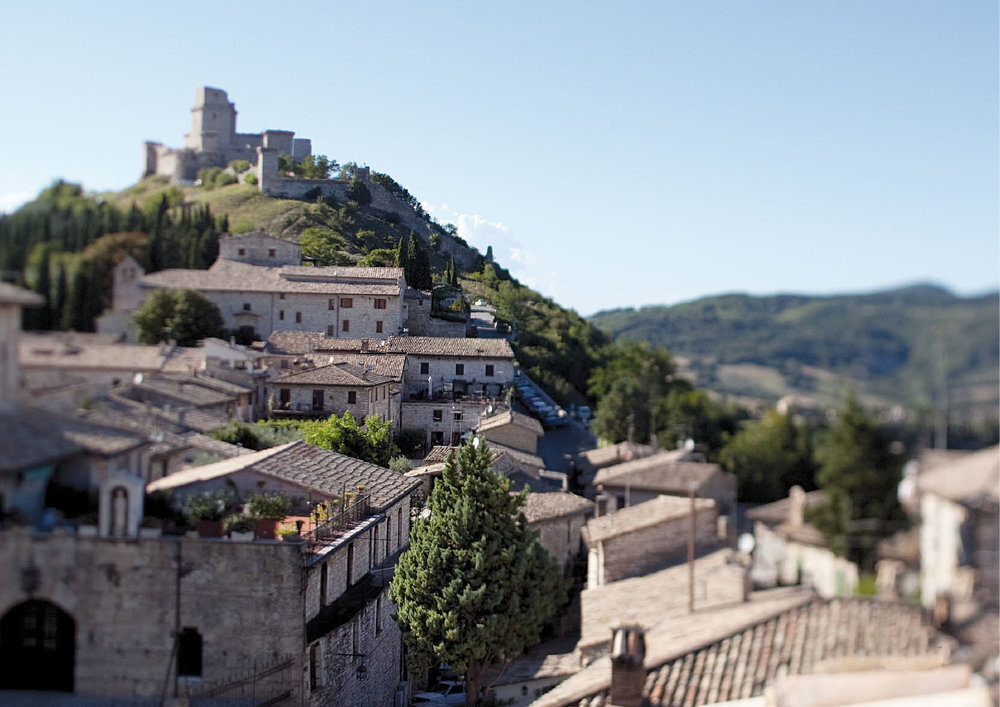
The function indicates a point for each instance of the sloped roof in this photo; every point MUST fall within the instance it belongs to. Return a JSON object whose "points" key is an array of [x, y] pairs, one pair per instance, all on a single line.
{"points": [[335, 374], [388, 365], [233, 276], [30, 440], [968, 480], [777, 512], [660, 472], [614, 454], [462, 347], [643, 515], [548, 506], [12, 294], [325, 472], [510, 417], [798, 640]]}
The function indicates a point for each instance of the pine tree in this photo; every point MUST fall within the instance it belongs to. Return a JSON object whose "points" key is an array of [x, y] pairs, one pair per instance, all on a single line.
{"points": [[476, 585]]}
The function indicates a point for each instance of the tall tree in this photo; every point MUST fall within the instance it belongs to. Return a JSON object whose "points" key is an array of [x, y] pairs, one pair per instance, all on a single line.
{"points": [[768, 457], [371, 442], [475, 585], [860, 474], [185, 316]]}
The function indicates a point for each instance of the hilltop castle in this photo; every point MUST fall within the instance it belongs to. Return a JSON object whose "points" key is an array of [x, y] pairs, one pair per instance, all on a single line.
{"points": [[214, 142]]}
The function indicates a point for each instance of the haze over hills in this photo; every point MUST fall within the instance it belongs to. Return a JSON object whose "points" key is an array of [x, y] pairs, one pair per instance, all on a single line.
{"points": [[885, 345]]}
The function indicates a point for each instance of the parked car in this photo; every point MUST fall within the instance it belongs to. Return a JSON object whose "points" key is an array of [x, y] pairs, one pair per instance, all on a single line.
{"points": [[583, 413], [446, 692]]}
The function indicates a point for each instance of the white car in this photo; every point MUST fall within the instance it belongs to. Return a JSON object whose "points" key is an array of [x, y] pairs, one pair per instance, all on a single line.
{"points": [[446, 692]]}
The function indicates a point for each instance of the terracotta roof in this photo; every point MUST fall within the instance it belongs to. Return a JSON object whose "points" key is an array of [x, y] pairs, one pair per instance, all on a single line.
{"points": [[643, 515], [336, 374], [310, 467], [233, 276], [547, 506], [510, 417], [967, 480], [12, 294], [659, 472], [734, 652]]}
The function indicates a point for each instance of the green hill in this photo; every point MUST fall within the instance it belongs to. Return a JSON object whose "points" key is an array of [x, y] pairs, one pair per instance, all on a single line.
{"points": [[884, 345]]}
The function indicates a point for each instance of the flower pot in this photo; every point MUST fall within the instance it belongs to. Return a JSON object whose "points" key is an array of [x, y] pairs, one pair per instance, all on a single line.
{"points": [[209, 528], [265, 528], [241, 536]]}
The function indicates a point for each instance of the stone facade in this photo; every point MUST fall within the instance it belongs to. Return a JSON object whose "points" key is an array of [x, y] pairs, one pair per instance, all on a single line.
{"points": [[442, 421], [640, 539], [299, 395]]}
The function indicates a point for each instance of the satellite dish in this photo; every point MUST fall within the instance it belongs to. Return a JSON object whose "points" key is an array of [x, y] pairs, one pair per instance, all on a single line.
{"points": [[746, 543]]}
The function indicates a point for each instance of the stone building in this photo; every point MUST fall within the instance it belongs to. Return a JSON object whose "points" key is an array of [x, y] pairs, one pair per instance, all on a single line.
{"points": [[214, 142], [259, 287], [654, 534], [642, 479], [512, 429], [334, 389], [558, 518]]}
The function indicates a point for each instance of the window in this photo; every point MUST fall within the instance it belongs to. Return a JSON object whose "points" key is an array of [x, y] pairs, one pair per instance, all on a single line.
{"points": [[350, 566], [346, 302], [425, 368], [241, 251], [378, 326], [437, 415], [298, 317], [284, 394], [437, 438], [331, 303], [458, 416], [345, 325], [281, 314], [246, 306], [352, 397], [281, 295], [189, 652], [314, 666], [399, 527], [322, 585], [379, 303], [330, 331], [459, 369], [489, 369], [375, 547], [388, 535], [317, 400], [271, 252]]}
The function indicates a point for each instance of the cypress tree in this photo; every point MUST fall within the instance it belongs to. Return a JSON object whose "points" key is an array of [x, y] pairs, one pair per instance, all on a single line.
{"points": [[475, 585]]}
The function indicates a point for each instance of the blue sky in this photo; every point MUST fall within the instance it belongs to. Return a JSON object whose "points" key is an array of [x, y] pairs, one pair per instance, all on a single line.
{"points": [[614, 154]]}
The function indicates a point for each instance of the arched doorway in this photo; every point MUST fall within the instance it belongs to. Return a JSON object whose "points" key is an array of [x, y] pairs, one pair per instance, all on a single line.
{"points": [[37, 648]]}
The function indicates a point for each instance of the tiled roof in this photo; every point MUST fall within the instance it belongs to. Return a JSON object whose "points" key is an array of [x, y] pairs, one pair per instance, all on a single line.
{"points": [[510, 417], [547, 506], [224, 450], [12, 294], [188, 390], [310, 467], [643, 515], [46, 351], [96, 438], [338, 272], [968, 480], [388, 365], [614, 454], [297, 342], [217, 384], [30, 439], [337, 374], [233, 276], [660, 472], [734, 652], [439, 455]]}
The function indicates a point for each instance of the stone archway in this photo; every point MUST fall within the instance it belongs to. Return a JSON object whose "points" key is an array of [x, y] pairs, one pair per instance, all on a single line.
{"points": [[37, 648]]}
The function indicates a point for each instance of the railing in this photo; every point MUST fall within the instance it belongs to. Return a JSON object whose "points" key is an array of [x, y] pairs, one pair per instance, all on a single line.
{"points": [[261, 685], [339, 522]]}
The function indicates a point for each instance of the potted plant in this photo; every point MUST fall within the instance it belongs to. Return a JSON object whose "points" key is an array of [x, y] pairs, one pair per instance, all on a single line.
{"points": [[289, 535], [239, 527], [206, 510], [267, 510]]}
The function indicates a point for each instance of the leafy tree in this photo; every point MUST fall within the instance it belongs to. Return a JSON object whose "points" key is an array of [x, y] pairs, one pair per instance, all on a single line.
{"points": [[859, 473], [262, 434], [371, 442], [324, 245], [185, 316], [379, 257], [475, 585], [316, 167], [357, 191], [768, 457]]}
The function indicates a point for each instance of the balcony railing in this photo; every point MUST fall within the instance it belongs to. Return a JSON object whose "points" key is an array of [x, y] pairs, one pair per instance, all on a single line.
{"points": [[352, 510]]}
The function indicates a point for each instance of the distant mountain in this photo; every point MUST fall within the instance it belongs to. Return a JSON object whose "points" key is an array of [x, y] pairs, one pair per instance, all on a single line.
{"points": [[885, 345]]}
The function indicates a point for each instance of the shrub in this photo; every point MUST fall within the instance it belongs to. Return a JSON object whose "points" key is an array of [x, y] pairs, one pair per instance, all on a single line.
{"points": [[208, 505], [250, 179], [312, 194], [237, 523], [239, 166], [272, 506], [224, 179], [399, 464]]}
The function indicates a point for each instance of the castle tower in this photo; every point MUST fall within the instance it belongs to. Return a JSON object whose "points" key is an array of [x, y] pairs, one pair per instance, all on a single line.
{"points": [[213, 121], [12, 301]]}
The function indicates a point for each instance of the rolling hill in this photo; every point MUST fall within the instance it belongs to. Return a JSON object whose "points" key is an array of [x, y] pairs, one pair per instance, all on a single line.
{"points": [[885, 345]]}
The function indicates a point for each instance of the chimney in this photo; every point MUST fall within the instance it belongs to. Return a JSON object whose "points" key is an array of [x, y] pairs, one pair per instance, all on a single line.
{"points": [[796, 506], [628, 651]]}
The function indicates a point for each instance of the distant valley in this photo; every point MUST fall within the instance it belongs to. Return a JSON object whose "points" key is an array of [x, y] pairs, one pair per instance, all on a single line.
{"points": [[887, 346]]}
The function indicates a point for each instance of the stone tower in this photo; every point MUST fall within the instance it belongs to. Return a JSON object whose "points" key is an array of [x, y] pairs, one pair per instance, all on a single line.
{"points": [[213, 121]]}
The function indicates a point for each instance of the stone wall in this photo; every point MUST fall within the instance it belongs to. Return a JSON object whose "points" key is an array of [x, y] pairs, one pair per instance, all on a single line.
{"points": [[561, 538], [374, 400], [123, 597], [514, 436], [444, 369], [420, 415], [650, 548]]}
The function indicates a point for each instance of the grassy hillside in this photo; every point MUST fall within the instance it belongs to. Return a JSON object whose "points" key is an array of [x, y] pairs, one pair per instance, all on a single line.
{"points": [[885, 345]]}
